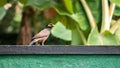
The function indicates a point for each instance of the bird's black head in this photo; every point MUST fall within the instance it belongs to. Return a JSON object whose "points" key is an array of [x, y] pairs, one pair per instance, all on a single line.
{"points": [[49, 25]]}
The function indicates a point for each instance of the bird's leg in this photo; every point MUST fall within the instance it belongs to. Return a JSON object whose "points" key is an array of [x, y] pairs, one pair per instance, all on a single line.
{"points": [[43, 42]]}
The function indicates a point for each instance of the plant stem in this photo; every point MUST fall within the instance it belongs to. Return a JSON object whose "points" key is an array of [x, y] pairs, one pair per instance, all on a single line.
{"points": [[105, 16], [111, 10], [82, 35], [115, 26], [89, 14]]}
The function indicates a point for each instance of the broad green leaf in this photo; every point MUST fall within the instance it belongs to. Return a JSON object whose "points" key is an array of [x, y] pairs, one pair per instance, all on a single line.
{"points": [[81, 20], [76, 37], [2, 2], [70, 24], [117, 35], [94, 38], [96, 9], [2, 13], [69, 5], [105, 39], [80, 17], [109, 39], [79, 14], [117, 11], [117, 2], [41, 4], [61, 32]]}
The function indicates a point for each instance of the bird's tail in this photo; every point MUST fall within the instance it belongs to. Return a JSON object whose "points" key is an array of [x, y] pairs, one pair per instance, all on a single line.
{"points": [[32, 42]]}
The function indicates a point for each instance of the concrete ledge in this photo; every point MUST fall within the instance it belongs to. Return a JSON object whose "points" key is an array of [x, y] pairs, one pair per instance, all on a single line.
{"points": [[57, 49]]}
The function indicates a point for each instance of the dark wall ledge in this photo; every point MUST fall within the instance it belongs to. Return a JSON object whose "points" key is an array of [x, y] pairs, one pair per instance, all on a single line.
{"points": [[57, 49]]}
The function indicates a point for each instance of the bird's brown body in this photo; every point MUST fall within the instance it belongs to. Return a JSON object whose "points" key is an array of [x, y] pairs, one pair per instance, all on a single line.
{"points": [[42, 36]]}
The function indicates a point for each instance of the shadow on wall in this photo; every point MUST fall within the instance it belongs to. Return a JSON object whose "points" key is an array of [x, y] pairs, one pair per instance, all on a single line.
{"points": [[11, 39]]}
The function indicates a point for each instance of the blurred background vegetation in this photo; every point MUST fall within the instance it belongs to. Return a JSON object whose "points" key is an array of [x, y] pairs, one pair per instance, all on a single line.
{"points": [[77, 22], [35, 19]]}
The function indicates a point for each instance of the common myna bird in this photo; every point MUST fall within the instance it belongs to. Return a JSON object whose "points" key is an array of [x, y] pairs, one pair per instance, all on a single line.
{"points": [[42, 35]]}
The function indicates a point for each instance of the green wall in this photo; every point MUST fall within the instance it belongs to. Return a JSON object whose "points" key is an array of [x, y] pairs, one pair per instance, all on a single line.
{"points": [[59, 61]]}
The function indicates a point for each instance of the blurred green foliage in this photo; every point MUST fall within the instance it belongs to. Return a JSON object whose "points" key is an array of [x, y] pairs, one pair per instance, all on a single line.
{"points": [[70, 16]]}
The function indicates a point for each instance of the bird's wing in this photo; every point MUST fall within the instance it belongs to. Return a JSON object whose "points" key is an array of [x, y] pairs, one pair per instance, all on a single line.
{"points": [[43, 33]]}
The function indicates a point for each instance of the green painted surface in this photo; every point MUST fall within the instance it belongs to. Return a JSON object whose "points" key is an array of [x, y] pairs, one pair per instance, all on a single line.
{"points": [[59, 61]]}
